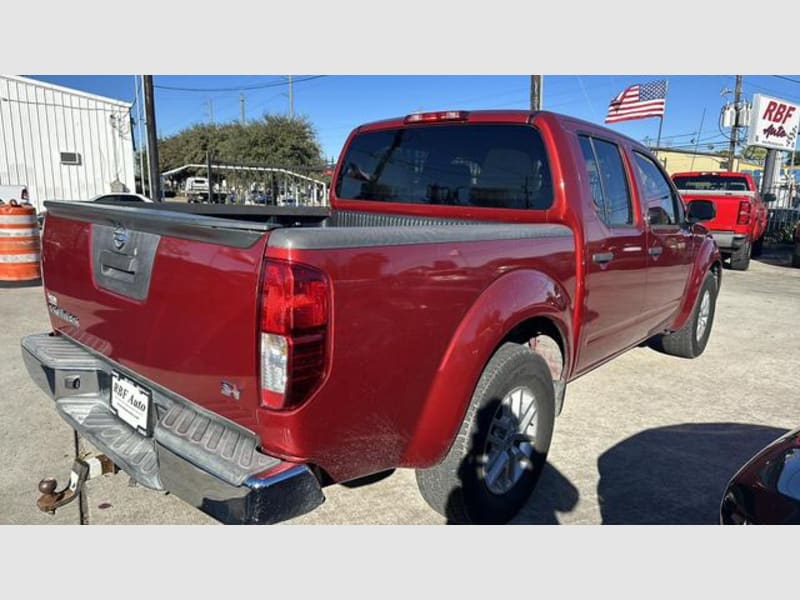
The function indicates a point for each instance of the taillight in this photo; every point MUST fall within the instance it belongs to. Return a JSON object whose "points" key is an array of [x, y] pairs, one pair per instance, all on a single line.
{"points": [[446, 115], [744, 213], [295, 307]]}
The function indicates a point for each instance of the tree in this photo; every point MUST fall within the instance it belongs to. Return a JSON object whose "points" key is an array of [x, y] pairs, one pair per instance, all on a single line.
{"points": [[796, 158], [274, 140], [755, 153]]}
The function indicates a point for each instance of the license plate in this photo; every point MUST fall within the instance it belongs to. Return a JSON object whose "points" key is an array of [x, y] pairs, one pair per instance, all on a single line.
{"points": [[131, 402]]}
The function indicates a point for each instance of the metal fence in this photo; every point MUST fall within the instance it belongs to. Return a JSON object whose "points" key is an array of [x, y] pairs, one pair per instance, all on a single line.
{"points": [[783, 203]]}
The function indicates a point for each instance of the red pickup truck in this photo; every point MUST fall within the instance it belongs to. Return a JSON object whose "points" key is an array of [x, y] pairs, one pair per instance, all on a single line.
{"points": [[741, 217], [471, 265]]}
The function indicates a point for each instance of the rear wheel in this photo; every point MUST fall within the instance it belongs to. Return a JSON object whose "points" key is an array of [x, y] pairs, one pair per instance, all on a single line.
{"points": [[501, 447], [690, 341], [740, 259]]}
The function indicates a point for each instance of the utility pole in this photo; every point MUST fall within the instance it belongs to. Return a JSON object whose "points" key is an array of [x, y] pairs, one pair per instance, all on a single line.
{"points": [[536, 92], [241, 108], [139, 135], [291, 98], [210, 104], [210, 185], [152, 139], [737, 107]]}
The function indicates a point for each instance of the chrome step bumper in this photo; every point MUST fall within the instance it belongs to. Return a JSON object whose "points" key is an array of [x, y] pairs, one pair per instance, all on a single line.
{"points": [[202, 458]]}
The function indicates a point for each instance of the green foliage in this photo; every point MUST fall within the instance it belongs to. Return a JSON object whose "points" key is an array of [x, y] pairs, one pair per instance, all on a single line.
{"points": [[274, 140], [788, 159], [754, 153]]}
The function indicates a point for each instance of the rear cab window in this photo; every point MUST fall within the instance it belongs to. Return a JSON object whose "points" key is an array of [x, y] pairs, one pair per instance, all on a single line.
{"points": [[711, 182], [467, 165]]}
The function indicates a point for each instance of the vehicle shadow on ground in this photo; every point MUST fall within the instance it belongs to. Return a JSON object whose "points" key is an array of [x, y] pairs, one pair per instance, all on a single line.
{"points": [[776, 255], [675, 474], [553, 494]]}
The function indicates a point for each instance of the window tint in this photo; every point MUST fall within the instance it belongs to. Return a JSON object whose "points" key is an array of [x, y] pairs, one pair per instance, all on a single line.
{"points": [[497, 166], [607, 181], [662, 208]]}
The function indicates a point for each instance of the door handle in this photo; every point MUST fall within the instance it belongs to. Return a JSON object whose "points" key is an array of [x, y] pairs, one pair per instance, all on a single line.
{"points": [[655, 250], [602, 258]]}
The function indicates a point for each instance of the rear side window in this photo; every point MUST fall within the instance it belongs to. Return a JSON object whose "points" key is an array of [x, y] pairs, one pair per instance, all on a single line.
{"points": [[663, 207], [607, 180], [491, 166]]}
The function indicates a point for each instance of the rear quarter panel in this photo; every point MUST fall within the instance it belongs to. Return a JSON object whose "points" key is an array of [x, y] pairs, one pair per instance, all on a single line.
{"points": [[412, 328]]}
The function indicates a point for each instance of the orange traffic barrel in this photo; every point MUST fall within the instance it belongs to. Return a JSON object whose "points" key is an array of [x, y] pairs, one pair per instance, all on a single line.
{"points": [[19, 243]]}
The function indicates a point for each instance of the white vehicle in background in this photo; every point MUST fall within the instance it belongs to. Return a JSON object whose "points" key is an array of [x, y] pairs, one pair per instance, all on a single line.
{"points": [[14, 192], [196, 189]]}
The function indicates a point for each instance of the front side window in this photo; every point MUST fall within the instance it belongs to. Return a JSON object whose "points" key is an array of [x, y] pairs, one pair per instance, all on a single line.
{"points": [[475, 165], [662, 205]]}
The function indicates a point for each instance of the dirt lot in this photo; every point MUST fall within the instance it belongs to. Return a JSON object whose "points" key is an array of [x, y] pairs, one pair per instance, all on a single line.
{"points": [[645, 439]]}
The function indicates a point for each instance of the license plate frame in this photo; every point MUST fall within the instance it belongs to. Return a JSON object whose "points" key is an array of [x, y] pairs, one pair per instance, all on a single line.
{"points": [[132, 403]]}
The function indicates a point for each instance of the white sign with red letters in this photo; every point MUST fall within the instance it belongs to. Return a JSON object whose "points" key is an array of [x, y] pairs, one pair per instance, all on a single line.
{"points": [[774, 123]]}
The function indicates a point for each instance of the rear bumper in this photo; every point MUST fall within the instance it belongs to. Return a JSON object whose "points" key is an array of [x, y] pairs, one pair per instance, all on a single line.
{"points": [[729, 240], [202, 458]]}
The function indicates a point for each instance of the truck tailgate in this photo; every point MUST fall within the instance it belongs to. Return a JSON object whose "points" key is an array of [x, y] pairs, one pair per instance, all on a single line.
{"points": [[171, 297], [726, 204]]}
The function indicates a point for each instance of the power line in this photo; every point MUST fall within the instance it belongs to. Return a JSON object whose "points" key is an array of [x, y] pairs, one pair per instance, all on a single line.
{"points": [[787, 78], [238, 88]]}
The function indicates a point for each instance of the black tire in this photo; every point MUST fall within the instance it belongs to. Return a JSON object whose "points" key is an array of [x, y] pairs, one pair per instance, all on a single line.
{"points": [[796, 256], [758, 247], [740, 259], [456, 488], [685, 342]]}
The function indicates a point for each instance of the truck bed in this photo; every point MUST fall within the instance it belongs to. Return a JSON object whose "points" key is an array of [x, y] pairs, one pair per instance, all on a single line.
{"points": [[178, 304]]}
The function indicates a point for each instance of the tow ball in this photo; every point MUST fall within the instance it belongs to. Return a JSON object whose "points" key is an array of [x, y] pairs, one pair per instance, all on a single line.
{"points": [[83, 469]]}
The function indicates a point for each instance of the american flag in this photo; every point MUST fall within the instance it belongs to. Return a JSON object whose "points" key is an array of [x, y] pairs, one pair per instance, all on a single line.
{"points": [[638, 101]]}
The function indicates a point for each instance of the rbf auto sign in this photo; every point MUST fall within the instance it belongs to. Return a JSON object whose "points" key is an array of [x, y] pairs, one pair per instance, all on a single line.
{"points": [[773, 123]]}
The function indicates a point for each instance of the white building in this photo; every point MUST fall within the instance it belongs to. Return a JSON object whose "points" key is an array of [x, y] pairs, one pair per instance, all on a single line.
{"points": [[64, 144]]}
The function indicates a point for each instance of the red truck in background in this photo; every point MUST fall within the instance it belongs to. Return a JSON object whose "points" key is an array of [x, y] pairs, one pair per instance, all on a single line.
{"points": [[741, 217], [471, 265]]}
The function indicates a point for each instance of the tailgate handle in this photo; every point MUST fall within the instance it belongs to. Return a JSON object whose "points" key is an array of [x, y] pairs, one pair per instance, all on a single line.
{"points": [[118, 266], [602, 258]]}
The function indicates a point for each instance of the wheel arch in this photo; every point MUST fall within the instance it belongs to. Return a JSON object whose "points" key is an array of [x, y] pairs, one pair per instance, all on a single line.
{"points": [[492, 321], [708, 259]]}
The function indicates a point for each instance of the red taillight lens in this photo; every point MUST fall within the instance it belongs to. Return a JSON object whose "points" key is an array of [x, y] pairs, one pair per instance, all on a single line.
{"points": [[445, 115], [744, 213], [295, 305]]}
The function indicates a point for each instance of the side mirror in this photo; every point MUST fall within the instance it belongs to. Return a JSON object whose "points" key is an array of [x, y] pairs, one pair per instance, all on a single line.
{"points": [[769, 197], [700, 210]]}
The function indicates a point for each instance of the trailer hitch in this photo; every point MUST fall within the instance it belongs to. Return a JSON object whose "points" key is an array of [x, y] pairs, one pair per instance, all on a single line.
{"points": [[83, 469]]}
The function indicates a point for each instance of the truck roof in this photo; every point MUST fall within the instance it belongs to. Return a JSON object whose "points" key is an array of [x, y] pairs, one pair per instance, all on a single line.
{"points": [[706, 173], [499, 116]]}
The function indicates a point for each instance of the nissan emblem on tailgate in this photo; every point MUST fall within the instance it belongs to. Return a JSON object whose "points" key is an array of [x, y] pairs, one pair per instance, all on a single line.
{"points": [[120, 236]]}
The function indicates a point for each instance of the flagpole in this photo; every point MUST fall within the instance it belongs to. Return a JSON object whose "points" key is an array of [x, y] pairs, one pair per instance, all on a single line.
{"points": [[661, 117]]}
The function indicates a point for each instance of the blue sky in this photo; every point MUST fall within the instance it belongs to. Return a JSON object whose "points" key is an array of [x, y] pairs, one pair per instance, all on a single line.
{"points": [[335, 104]]}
